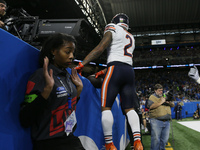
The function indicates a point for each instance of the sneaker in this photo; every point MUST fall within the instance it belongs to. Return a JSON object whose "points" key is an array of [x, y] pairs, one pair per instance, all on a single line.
{"points": [[146, 130], [110, 146], [138, 145]]}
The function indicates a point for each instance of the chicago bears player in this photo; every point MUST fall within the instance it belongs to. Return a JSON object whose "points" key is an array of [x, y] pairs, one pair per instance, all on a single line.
{"points": [[119, 77]]}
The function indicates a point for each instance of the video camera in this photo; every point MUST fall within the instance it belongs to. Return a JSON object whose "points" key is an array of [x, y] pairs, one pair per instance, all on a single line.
{"points": [[21, 24], [168, 95]]}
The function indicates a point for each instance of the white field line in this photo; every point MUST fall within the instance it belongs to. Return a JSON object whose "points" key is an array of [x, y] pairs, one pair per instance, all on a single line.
{"points": [[195, 125]]}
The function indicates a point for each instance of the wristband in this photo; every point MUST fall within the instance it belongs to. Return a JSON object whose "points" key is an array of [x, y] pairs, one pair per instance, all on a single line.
{"points": [[80, 64]]}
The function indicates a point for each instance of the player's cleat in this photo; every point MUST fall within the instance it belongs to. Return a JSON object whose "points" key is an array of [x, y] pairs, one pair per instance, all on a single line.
{"points": [[138, 145], [110, 146]]}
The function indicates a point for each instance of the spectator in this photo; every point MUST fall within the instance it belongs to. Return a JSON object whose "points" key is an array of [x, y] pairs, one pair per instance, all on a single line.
{"points": [[160, 115], [196, 115], [198, 109], [3, 7], [145, 117], [178, 111]]}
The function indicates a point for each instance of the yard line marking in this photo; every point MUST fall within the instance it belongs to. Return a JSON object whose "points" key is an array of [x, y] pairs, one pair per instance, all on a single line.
{"points": [[168, 146], [191, 124]]}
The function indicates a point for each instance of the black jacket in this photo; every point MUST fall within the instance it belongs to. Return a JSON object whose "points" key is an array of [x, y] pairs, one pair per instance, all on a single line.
{"points": [[46, 117]]}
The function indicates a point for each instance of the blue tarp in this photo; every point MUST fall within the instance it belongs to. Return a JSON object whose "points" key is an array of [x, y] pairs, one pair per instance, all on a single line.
{"points": [[17, 63]]}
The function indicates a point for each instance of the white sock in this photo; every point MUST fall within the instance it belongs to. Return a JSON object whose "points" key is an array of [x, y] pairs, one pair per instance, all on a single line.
{"points": [[107, 123], [134, 122]]}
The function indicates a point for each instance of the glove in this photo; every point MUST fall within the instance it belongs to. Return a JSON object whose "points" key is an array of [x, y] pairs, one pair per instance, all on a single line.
{"points": [[100, 73], [194, 74], [79, 68]]}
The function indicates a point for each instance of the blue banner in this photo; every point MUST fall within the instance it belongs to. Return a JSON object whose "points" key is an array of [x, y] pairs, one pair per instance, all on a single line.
{"points": [[188, 109], [18, 61], [89, 127]]}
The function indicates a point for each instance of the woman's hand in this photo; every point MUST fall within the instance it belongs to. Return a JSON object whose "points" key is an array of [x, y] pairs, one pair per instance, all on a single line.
{"points": [[77, 81], [48, 79], [48, 75]]}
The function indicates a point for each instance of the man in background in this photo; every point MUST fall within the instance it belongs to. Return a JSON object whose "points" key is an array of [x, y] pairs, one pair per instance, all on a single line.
{"points": [[160, 116], [3, 7], [178, 111]]}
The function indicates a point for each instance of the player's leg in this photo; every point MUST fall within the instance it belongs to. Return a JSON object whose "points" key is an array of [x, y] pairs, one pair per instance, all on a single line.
{"points": [[109, 92], [129, 101], [134, 123]]}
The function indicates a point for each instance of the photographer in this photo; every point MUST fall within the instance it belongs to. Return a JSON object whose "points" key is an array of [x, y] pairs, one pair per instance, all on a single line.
{"points": [[195, 115], [145, 120], [2, 13], [160, 115], [178, 111]]}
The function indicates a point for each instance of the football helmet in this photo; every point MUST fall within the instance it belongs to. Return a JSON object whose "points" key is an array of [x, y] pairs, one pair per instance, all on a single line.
{"points": [[122, 20]]}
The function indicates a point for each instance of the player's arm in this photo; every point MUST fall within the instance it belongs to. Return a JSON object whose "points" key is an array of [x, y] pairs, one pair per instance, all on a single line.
{"points": [[99, 49]]}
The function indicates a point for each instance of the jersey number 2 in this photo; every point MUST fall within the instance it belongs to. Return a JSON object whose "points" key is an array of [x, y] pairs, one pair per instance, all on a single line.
{"points": [[128, 46]]}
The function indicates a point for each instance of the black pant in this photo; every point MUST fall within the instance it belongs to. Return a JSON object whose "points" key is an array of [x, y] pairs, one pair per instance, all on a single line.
{"points": [[63, 143]]}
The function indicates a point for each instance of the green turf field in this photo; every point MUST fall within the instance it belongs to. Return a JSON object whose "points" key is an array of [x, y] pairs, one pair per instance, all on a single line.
{"points": [[183, 138]]}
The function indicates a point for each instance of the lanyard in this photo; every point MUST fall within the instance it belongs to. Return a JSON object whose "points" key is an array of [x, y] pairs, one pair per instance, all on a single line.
{"points": [[69, 96]]}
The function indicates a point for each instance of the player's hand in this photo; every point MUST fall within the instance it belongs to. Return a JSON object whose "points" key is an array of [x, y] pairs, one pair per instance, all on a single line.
{"points": [[194, 73], [100, 73], [48, 75], [79, 68]]}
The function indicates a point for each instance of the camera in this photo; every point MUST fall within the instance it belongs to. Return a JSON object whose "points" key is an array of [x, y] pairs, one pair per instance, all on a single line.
{"points": [[168, 95]]}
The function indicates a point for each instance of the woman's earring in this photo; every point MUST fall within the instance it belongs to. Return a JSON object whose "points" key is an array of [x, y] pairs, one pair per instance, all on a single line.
{"points": [[53, 57]]}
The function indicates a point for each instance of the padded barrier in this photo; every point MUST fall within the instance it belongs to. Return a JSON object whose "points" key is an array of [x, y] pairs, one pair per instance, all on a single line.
{"points": [[188, 109]]}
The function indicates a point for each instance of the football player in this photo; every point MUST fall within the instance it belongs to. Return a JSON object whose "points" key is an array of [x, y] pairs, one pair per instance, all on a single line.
{"points": [[119, 77]]}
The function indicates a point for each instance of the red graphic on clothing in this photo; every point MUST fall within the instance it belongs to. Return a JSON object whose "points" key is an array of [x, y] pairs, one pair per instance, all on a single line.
{"points": [[29, 87], [59, 116]]}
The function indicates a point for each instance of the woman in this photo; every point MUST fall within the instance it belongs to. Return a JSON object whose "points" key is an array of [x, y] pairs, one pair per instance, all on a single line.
{"points": [[51, 96]]}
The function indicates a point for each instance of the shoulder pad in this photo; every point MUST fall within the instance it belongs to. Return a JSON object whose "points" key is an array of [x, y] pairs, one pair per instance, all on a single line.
{"points": [[110, 27]]}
